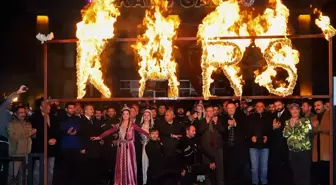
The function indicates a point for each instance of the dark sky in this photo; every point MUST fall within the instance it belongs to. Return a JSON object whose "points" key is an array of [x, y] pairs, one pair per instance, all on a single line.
{"points": [[21, 49], [19, 34]]}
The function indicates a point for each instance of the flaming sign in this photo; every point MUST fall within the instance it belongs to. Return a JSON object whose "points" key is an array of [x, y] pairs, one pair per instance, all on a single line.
{"points": [[278, 53], [222, 54], [226, 21], [93, 33], [155, 47]]}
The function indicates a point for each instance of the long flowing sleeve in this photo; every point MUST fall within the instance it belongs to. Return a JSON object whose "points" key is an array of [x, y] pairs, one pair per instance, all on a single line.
{"points": [[138, 129], [108, 132]]}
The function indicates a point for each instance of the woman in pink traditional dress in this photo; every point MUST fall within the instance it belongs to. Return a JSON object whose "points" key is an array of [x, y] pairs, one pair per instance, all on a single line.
{"points": [[126, 168]]}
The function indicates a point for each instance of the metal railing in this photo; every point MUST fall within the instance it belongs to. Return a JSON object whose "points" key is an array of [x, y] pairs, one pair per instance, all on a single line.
{"points": [[188, 90], [26, 169]]}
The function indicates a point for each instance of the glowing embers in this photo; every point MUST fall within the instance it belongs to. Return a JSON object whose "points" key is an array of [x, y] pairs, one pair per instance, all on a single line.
{"points": [[155, 47], [93, 33], [279, 54], [323, 22]]}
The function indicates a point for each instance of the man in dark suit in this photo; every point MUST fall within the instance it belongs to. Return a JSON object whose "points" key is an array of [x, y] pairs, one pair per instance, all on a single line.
{"points": [[280, 170], [37, 120], [210, 132], [89, 149], [109, 148], [235, 144], [170, 133]]}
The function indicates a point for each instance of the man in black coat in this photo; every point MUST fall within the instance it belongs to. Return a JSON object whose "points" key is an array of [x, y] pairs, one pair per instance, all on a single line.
{"points": [[89, 149], [280, 170], [37, 120], [210, 131], [170, 133], [155, 158], [109, 148], [236, 154], [189, 151]]}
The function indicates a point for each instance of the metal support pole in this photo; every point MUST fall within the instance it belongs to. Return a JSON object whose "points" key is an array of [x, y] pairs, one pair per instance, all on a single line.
{"points": [[45, 95], [307, 36], [186, 98], [330, 60]]}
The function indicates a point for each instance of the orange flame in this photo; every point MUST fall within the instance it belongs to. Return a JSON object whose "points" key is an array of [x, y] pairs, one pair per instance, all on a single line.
{"points": [[323, 22], [278, 53], [219, 53], [228, 20], [155, 47], [93, 33]]}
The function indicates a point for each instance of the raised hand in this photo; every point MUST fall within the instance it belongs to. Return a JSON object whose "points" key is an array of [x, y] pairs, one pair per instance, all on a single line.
{"points": [[73, 133], [232, 123], [265, 139], [315, 123], [183, 173], [22, 89], [212, 166], [52, 141], [254, 139], [70, 130], [101, 142], [33, 131], [276, 124]]}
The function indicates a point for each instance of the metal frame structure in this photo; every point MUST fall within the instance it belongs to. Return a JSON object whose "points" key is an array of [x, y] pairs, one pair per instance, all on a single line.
{"points": [[307, 36]]}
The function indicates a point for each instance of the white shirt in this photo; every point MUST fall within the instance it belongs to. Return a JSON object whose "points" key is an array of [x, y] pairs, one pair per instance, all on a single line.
{"points": [[89, 119], [280, 113]]}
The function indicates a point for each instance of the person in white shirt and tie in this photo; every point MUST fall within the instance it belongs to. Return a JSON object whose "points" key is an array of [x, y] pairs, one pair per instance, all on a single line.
{"points": [[280, 170]]}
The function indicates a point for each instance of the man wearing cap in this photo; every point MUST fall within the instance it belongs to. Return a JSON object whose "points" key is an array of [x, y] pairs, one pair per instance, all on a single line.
{"points": [[298, 133]]}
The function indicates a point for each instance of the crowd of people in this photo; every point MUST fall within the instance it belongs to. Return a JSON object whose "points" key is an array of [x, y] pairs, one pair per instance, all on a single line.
{"points": [[232, 143]]}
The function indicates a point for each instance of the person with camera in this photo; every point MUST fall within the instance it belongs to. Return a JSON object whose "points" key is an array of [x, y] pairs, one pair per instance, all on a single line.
{"points": [[5, 119], [190, 151]]}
